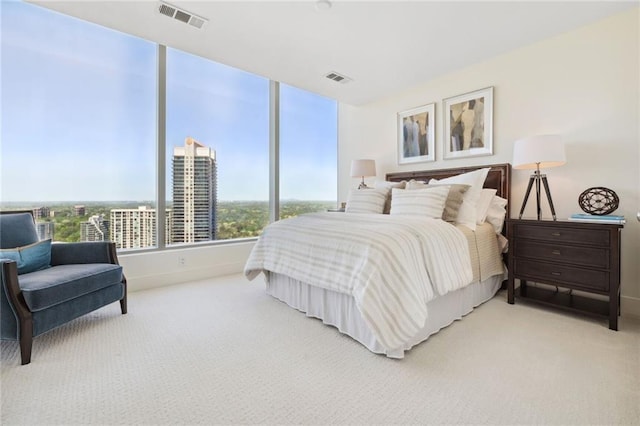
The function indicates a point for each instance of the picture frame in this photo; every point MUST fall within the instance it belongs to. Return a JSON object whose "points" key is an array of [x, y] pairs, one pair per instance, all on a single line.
{"points": [[468, 124], [416, 135]]}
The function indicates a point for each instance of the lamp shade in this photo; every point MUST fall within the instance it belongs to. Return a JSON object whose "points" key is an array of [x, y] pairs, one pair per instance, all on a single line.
{"points": [[544, 150], [362, 168]]}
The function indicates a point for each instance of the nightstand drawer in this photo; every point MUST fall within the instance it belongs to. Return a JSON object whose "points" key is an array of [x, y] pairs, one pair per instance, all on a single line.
{"points": [[562, 274], [564, 235], [578, 255]]}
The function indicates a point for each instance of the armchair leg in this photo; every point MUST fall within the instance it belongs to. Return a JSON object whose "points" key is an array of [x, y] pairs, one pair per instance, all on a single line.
{"points": [[123, 301], [123, 304], [26, 340]]}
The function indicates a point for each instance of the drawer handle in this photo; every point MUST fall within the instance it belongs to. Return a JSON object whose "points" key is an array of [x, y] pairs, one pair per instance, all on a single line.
{"points": [[556, 273], [556, 252], [555, 234]]}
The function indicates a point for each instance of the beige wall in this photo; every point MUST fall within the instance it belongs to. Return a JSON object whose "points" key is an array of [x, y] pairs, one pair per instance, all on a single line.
{"points": [[583, 85]]}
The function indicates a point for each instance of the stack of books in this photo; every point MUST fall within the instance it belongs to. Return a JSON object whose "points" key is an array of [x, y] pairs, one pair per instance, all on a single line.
{"points": [[609, 218]]}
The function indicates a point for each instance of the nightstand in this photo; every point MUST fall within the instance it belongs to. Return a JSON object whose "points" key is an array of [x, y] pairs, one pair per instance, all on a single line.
{"points": [[570, 255]]}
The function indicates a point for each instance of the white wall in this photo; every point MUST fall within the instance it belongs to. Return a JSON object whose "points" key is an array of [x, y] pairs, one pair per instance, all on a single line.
{"points": [[160, 268], [583, 85]]}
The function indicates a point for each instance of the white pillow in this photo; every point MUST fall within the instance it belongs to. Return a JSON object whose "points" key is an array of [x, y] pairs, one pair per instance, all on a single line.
{"points": [[468, 214], [497, 213], [384, 184], [416, 184], [366, 200], [428, 202], [486, 195]]}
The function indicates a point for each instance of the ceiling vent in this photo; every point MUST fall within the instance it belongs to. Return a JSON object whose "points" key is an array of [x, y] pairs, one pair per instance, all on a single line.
{"points": [[181, 15], [338, 77]]}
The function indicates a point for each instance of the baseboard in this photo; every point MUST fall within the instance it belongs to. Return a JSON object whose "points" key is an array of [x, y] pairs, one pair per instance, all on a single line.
{"points": [[630, 306]]}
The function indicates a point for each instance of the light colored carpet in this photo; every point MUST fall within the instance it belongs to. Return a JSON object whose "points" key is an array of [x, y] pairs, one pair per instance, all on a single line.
{"points": [[222, 351]]}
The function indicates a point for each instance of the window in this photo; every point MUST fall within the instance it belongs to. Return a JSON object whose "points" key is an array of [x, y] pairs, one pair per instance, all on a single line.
{"points": [[78, 123], [80, 145], [308, 152], [217, 145]]}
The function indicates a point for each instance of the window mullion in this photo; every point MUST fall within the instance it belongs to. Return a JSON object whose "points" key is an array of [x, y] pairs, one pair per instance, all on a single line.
{"points": [[161, 237], [274, 151]]}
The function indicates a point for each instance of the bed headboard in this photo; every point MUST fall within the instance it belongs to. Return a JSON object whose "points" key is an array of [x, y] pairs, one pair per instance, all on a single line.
{"points": [[499, 177]]}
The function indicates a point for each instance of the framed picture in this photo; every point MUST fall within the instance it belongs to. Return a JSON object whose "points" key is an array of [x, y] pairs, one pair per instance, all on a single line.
{"points": [[416, 135], [468, 124]]}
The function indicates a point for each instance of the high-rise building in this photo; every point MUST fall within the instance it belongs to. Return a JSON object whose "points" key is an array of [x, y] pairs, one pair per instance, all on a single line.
{"points": [[194, 193], [45, 230], [95, 229], [136, 228], [79, 210], [40, 212]]}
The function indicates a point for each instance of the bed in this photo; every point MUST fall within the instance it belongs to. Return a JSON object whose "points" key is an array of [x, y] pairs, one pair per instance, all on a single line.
{"points": [[393, 301]]}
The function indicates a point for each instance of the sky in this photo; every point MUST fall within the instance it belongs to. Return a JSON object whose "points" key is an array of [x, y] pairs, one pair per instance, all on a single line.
{"points": [[78, 117]]}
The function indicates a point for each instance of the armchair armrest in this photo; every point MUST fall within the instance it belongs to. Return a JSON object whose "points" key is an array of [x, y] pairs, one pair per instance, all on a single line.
{"points": [[86, 252], [17, 321], [11, 288]]}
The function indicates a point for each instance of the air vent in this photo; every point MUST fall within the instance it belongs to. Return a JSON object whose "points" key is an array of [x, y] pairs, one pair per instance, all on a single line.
{"points": [[181, 15], [167, 10], [196, 22], [338, 77]]}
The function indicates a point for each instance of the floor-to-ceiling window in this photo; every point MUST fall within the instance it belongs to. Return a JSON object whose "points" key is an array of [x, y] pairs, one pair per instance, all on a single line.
{"points": [[217, 144], [84, 143], [78, 126], [308, 152]]}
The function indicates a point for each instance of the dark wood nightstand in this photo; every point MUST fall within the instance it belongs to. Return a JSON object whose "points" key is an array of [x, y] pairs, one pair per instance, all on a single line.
{"points": [[571, 255]]}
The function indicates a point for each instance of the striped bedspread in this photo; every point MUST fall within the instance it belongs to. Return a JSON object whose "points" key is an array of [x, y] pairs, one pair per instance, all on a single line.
{"points": [[391, 265]]}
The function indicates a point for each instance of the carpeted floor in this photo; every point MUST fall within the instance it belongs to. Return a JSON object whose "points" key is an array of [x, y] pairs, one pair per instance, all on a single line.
{"points": [[223, 352]]}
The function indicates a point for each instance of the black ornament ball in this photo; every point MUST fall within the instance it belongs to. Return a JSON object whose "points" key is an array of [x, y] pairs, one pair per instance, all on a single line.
{"points": [[598, 201]]}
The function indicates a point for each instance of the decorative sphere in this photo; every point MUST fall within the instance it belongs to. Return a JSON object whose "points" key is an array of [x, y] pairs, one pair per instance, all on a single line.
{"points": [[598, 201]]}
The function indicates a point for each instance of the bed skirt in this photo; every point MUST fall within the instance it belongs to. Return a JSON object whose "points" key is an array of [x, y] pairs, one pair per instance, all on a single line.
{"points": [[340, 310]]}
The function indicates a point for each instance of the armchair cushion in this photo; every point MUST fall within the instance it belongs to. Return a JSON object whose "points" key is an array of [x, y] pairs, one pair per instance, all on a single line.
{"points": [[30, 258], [50, 287], [17, 230]]}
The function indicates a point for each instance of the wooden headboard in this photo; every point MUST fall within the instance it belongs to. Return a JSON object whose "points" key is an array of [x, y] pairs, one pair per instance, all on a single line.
{"points": [[499, 177]]}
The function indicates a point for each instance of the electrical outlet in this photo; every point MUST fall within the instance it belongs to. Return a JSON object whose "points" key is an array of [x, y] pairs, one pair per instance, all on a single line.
{"points": [[181, 261]]}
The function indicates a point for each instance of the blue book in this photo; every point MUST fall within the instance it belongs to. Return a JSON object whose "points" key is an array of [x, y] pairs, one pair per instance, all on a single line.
{"points": [[596, 217]]}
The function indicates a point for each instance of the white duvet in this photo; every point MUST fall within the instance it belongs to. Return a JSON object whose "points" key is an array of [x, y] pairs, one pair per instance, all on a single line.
{"points": [[391, 265]]}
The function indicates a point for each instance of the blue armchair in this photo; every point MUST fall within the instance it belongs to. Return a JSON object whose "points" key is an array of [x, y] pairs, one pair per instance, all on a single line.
{"points": [[46, 285]]}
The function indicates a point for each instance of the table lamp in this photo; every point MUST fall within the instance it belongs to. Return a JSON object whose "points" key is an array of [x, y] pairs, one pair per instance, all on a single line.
{"points": [[538, 152], [363, 168]]}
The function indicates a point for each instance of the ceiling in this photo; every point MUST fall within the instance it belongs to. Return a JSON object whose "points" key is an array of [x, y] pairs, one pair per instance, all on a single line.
{"points": [[385, 47]]}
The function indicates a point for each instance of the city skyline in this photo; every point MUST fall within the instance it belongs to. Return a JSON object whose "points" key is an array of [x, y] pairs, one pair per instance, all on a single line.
{"points": [[79, 108]]}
